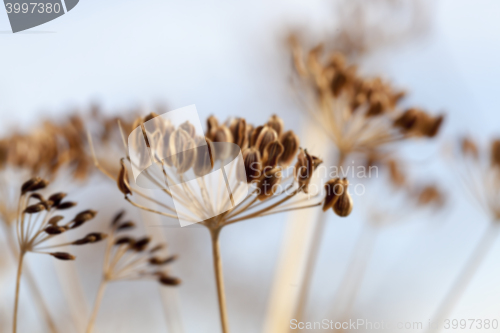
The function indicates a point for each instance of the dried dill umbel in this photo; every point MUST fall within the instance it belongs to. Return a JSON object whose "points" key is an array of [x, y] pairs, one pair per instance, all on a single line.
{"points": [[129, 258], [275, 184], [361, 115], [479, 170], [38, 222]]}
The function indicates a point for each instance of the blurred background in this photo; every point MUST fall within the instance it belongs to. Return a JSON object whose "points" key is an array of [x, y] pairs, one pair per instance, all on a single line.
{"points": [[231, 59]]}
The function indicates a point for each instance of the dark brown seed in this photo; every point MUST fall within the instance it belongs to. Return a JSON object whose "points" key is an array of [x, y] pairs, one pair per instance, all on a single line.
{"points": [[268, 183], [304, 168], [333, 189], [276, 123], [90, 238], [57, 198], [66, 205], [169, 281], [54, 230], [141, 244], [63, 256], [239, 131], [122, 180], [212, 124], [255, 135], [253, 165], [290, 143], [204, 157], [55, 219], [34, 209], [272, 153], [343, 206], [159, 261], [495, 153], [84, 216], [117, 217], [266, 136], [124, 240], [125, 226], [38, 185], [28, 184]]}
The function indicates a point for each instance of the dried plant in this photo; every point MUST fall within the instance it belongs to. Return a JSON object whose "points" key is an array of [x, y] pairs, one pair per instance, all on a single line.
{"points": [[128, 258], [267, 151], [36, 224], [479, 170], [362, 117]]}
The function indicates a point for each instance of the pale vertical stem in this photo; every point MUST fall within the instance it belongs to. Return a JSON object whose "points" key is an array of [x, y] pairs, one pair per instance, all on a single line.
{"points": [[354, 275], [97, 304], [467, 274], [312, 257], [18, 285], [37, 295], [214, 233]]}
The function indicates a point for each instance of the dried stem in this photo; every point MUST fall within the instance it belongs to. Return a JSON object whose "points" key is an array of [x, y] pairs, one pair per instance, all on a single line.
{"points": [[468, 272], [312, 257], [97, 304], [214, 233], [18, 285]]}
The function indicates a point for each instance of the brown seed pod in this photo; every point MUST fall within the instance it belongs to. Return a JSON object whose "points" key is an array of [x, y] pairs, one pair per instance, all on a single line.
{"points": [[122, 180], [181, 150], [290, 143], [141, 244], [125, 226], [343, 206], [54, 230], [27, 185], [272, 154], [268, 183], [169, 281], [39, 185], [57, 198], [222, 134], [333, 189], [469, 148], [55, 219], [204, 157], [212, 124], [253, 165], [66, 205], [189, 128], [162, 261], [407, 120], [125, 240], [117, 217], [63, 256], [36, 208], [304, 168], [266, 136], [90, 238], [239, 131], [276, 123], [495, 153], [396, 174], [254, 135]]}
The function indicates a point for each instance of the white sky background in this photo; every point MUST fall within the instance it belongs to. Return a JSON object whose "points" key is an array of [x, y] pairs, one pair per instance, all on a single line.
{"points": [[226, 57]]}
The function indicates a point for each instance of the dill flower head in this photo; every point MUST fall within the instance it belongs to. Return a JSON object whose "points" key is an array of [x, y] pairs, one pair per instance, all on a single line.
{"points": [[132, 258], [38, 221], [479, 168], [270, 178], [359, 114]]}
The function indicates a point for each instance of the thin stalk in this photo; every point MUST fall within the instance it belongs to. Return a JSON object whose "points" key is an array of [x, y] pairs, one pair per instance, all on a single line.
{"points": [[312, 258], [219, 278], [97, 304], [467, 274], [37, 295], [18, 285]]}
